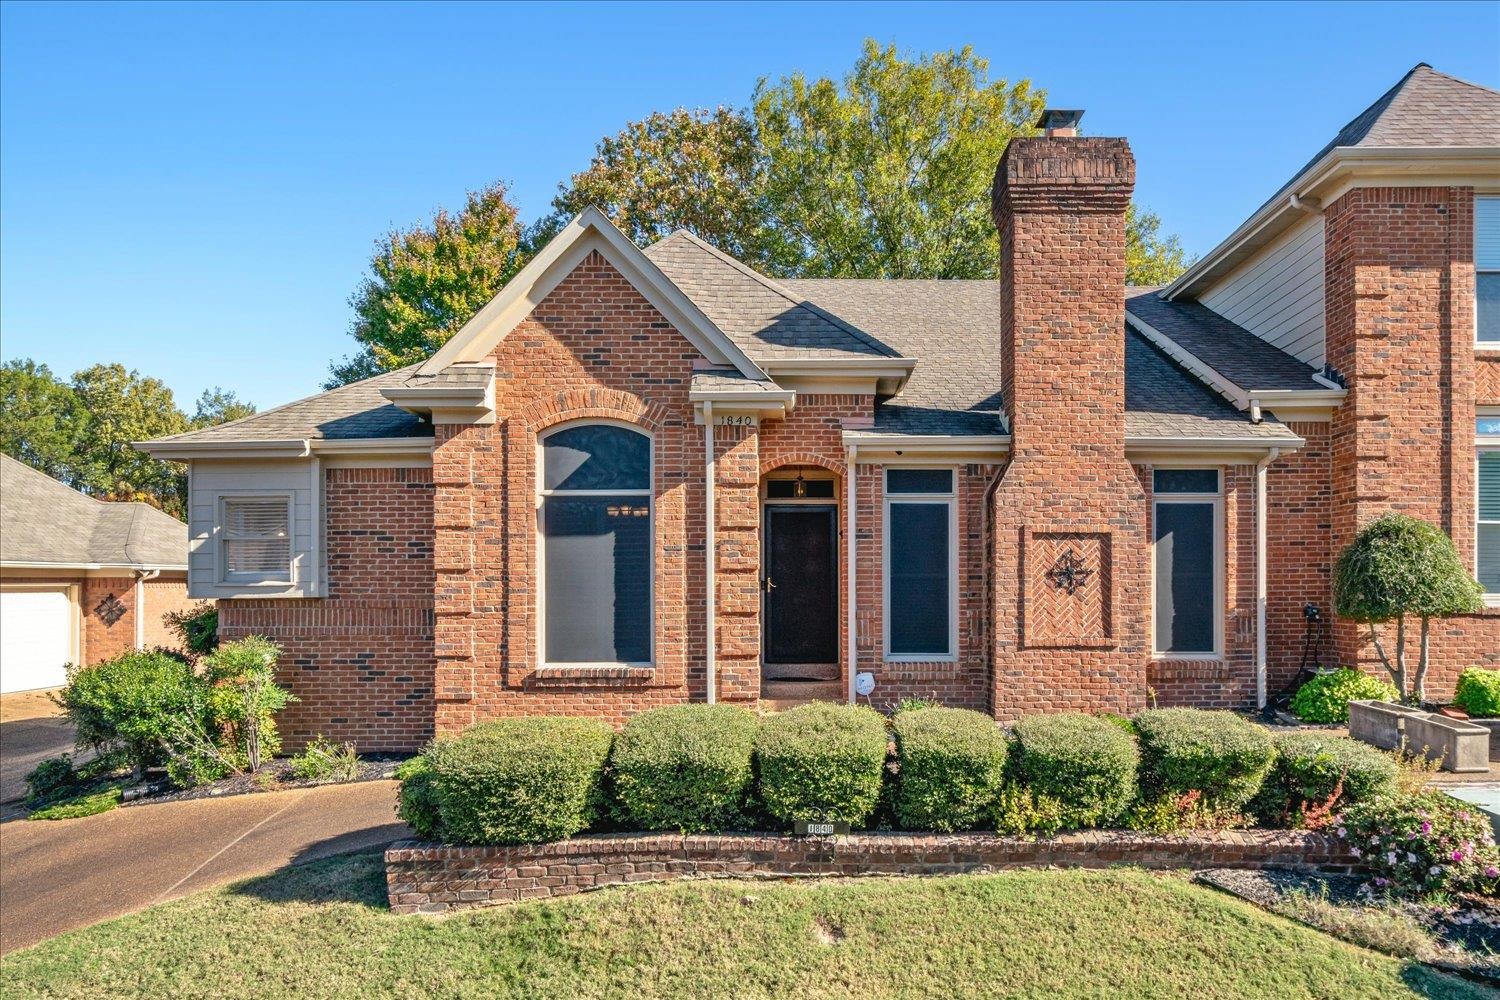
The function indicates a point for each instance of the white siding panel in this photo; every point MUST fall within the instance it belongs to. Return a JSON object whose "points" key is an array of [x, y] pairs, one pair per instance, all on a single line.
{"points": [[1278, 294], [208, 481]]}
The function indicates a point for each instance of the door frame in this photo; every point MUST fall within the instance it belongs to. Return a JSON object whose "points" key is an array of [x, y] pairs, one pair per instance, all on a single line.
{"points": [[768, 508]]}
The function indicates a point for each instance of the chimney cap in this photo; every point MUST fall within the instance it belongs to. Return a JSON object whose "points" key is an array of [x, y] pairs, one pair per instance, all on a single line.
{"points": [[1060, 120]]}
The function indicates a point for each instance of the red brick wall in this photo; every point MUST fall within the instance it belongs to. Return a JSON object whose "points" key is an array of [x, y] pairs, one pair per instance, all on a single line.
{"points": [[1299, 556], [103, 640], [360, 660], [163, 596], [1400, 325]]}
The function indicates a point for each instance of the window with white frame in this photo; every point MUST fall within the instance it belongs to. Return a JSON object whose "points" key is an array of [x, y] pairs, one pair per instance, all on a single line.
{"points": [[1187, 560], [921, 564], [255, 537], [1487, 535], [596, 546], [1487, 270]]}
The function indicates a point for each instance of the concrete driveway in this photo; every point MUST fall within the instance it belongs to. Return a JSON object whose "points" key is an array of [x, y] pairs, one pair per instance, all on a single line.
{"points": [[62, 874], [31, 729]]}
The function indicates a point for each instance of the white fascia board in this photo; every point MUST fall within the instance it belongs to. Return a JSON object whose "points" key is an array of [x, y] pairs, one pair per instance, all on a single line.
{"points": [[1237, 397], [1213, 450], [591, 230], [184, 451], [33, 564], [866, 367], [887, 449], [374, 446]]}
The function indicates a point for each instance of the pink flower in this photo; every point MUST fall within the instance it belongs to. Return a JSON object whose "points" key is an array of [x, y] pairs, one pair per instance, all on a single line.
{"points": [[1492, 871], [1356, 852], [1458, 855], [1426, 827]]}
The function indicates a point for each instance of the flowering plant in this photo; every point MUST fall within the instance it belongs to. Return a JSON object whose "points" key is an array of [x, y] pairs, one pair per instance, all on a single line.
{"points": [[1423, 843]]}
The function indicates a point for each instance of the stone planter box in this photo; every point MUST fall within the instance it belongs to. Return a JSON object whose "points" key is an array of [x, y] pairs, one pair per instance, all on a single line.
{"points": [[1379, 723], [1493, 725]]}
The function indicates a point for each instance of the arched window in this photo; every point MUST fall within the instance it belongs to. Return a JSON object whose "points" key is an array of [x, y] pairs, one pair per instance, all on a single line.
{"points": [[596, 526]]}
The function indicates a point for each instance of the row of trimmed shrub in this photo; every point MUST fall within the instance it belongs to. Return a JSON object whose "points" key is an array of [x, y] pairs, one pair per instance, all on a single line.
{"points": [[700, 768]]}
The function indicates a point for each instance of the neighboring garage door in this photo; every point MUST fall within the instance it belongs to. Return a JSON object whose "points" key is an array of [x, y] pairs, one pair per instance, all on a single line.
{"points": [[36, 638]]}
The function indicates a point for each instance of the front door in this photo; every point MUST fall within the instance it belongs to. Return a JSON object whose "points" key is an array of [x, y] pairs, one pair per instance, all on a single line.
{"points": [[800, 587]]}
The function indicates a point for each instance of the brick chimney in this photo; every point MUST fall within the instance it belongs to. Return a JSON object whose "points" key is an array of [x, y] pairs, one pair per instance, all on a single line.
{"points": [[1070, 552]]}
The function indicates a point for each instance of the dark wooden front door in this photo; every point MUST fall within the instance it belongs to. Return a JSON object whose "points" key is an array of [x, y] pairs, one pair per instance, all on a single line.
{"points": [[800, 587]]}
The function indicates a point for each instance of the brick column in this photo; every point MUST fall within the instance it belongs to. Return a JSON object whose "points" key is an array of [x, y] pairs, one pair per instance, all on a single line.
{"points": [[737, 541], [1068, 496], [453, 517]]}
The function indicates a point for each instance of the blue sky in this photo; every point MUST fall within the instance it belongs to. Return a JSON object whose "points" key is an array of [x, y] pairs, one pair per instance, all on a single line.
{"points": [[195, 190]]}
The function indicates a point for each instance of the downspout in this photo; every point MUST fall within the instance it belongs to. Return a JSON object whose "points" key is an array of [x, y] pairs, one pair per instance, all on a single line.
{"points": [[709, 583], [851, 654], [141, 576], [1260, 576]]}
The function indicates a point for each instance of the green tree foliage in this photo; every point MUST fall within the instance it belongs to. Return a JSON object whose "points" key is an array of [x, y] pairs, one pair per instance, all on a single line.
{"points": [[1401, 567], [1150, 257], [220, 406], [40, 418], [425, 283]]}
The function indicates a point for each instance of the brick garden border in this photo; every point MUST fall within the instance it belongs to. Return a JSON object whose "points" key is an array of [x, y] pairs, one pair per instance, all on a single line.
{"points": [[437, 878]]}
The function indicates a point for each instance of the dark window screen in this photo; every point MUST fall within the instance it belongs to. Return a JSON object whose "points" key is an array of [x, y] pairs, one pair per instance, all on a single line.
{"points": [[919, 481], [1487, 302], [1185, 481], [596, 457], [812, 489], [919, 579], [598, 570], [1185, 577]]}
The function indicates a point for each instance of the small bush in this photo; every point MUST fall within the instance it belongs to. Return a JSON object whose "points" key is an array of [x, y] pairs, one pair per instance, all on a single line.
{"points": [[685, 767], [1086, 764], [50, 780], [914, 705], [1218, 754], [952, 765], [325, 760], [1423, 843], [1478, 692], [87, 804], [133, 705], [197, 628], [416, 799], [520, 780], [1315, 770], [821, 762], [1021, 811], [1325, 699], [1168, 813]]}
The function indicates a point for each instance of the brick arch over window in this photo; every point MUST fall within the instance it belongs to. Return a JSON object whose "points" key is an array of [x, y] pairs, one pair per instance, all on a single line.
{"points": [[597, 404], [801, 458]]}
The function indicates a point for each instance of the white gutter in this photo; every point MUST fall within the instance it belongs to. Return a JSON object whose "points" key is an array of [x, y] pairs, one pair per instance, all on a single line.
{"points": [[851, 653], [710, 667], [140, 604], [1260, 576]]}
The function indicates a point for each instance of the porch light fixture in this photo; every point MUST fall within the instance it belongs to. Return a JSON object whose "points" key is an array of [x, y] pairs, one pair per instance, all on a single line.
{"points": [[799, 488]]}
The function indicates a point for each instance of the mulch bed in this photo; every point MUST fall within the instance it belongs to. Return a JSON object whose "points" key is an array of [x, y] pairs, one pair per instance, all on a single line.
{"points": [[273, 777]]}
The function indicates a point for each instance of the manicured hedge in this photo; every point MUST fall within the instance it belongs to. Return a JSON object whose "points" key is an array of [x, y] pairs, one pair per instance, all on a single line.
{"points": [[1310, 766], [1478, 692], [821, 762], [520, 780], [1218, 754], [1326, 699], [685, 767], [952, 764], [416, 799], [1086, 764]]}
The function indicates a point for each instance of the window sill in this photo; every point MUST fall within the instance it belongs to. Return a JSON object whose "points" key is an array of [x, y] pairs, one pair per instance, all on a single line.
{"points": [[907, 658], [594, 672]]}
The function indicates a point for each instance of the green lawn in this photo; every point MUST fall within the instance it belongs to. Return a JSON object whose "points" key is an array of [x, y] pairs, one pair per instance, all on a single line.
{"points": [[322, 930]]}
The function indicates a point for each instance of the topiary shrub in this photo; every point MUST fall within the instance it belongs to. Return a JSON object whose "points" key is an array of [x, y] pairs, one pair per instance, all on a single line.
{"points": [[522, 780], [821, 762], [952, 765], [416, 799], [685, 767], [1087, 765], [1325, 699], [1478, 692], [1217, 754], [1316, 771]]}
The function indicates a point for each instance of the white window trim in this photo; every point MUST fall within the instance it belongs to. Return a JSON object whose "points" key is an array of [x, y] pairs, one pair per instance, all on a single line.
{"points": [[1481, 345], [951, 500], [541, 544], [1483, 443], [1217, 501], [222, 576]]}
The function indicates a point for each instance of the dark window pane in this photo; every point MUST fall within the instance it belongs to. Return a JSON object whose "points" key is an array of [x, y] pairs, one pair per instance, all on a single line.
{"points": [[1185, 577], [1185, 481], [812, 489], [919, 579], [919, 481], [1487, 288], [1489, 558], [1489, 486], [598, 578], [596, 457]]}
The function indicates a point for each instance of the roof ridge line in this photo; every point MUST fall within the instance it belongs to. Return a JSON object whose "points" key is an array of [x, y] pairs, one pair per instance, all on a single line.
{"points": [[1456, 79]]}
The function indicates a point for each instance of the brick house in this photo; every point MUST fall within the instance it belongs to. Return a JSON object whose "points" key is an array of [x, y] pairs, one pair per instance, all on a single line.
{"points": [[641, 476]]}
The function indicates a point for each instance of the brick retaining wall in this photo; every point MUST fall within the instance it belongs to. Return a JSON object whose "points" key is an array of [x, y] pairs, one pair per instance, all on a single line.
{"points": [[435, 878]]}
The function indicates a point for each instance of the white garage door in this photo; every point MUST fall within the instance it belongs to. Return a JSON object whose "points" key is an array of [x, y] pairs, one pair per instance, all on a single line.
{"points": [[36, 638]]}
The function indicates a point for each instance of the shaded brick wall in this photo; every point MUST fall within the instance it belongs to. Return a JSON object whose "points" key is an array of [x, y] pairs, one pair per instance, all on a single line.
{"points": [[1299, 558], [164, 596], [360, 660], [102, 639]]}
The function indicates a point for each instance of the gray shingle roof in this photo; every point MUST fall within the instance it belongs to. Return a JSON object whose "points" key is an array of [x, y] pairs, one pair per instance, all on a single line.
{"points": [[731, 380], [1226, 347], [1164, 401], [43, 521], [767, 321]]}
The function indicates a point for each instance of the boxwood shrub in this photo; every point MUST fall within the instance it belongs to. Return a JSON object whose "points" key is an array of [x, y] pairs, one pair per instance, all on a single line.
{"points": [[520, 780], [952, 764], [1085, 764], [685, 767], [1325, 699], [821, 762], [1218, 754], [416, 799], [1310, 766], [1478, 692]]}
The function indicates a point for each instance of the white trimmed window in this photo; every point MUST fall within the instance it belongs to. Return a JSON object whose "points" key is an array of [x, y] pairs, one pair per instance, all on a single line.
{"points": [[1187, 560], [1487, 534], [921, 565], [1487, 271], [256, 539], [597, 545]]}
